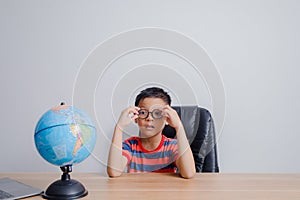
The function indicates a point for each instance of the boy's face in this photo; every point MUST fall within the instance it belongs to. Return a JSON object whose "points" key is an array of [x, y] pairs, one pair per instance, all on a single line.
{"points": [[151, 126]]}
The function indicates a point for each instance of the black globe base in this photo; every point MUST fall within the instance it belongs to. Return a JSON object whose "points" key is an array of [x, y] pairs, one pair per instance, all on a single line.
{"points": [[66, 188]]}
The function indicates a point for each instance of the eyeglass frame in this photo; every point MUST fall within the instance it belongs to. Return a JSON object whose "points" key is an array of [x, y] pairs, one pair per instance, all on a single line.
{"points": [[151, 114]]}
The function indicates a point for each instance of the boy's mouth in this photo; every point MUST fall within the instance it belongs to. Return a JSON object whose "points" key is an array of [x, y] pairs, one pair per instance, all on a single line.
{"points": [[149, 127]]}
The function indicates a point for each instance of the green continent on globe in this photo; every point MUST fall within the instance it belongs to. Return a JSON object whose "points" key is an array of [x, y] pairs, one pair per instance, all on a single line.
{"points": [[82, 133]]}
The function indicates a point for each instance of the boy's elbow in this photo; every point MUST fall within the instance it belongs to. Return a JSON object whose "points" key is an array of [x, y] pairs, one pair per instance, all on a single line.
{"points": [[113, 173], [188, 174], [191, 175]]}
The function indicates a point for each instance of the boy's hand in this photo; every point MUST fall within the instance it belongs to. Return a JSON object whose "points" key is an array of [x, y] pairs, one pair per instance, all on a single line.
{"points": [[127, 116], [172, 117]]}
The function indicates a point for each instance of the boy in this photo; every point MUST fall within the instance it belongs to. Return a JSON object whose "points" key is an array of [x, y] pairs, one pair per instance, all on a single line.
{"points": [[151, 151]]}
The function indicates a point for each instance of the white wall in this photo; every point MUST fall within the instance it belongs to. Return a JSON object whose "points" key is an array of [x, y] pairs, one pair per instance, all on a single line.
{"points": [[254, 45]]}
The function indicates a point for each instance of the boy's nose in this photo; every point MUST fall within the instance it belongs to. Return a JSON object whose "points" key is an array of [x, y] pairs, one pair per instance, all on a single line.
{"points": [[149, 118]]}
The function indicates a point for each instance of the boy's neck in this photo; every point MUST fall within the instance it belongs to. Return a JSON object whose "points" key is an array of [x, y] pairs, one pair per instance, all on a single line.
{"points": [[151, 143]]}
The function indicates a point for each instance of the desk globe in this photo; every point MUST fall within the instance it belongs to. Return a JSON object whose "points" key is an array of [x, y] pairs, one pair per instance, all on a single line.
{"points": [[65, 136]]}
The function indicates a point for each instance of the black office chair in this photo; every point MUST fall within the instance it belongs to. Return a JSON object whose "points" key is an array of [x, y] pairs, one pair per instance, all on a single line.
{"points": [[200, 131]]}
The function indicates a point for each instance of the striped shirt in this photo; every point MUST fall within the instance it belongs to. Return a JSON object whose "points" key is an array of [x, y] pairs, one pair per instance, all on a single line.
{"points": [[161, 159]]}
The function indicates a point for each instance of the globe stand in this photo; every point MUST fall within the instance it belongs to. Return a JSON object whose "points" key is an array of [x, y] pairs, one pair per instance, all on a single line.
{"points": [[66, 188]]}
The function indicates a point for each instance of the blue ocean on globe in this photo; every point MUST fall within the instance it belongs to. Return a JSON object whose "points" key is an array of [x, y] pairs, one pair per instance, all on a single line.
{"points": [[65, 135]]}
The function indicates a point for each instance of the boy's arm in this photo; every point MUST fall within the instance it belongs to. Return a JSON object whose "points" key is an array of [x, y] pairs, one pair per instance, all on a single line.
{"points": [[185, 161], [116, 161]]}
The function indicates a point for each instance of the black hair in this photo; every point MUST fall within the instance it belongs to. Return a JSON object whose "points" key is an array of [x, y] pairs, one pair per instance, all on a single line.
{"points": [[153, 92]]}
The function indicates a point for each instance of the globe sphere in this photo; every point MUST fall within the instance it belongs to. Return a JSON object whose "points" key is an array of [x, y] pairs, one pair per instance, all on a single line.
{"points": [[65, 135]]}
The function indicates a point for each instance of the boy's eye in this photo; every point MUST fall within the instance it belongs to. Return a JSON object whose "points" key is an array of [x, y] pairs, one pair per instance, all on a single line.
{"points": [[157, 113], [142, 112]]}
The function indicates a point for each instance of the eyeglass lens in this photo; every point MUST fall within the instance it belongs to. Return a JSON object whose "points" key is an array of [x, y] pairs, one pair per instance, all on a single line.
{"points": [[156, 114]]}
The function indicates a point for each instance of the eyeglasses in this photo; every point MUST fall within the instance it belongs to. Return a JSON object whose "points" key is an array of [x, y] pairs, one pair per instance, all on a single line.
{"points": [[156, 114]]}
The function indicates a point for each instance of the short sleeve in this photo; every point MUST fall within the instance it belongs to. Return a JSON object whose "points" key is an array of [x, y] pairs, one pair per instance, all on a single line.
{"points": [[171, 147], [126, 151], [174, 148]]}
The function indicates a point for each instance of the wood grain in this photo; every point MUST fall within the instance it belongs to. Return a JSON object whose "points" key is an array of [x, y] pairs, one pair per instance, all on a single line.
{"points": [[165, 186]]}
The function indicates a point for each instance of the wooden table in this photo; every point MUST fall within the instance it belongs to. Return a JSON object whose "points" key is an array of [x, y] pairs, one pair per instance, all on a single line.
{"points": [[170, 186]]}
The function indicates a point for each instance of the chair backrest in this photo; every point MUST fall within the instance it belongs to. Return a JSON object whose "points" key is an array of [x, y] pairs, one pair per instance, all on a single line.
{"points": [[200, 131]]}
